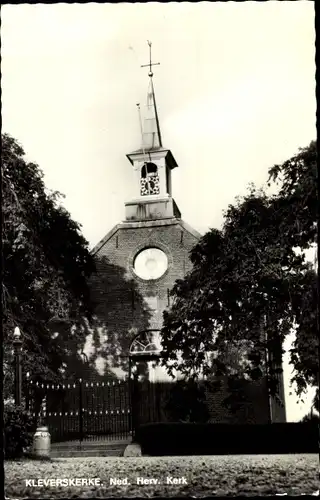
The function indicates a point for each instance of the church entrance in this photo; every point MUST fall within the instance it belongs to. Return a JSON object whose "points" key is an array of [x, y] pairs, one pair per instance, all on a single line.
{"points": [[149, 402], [148, 396]]}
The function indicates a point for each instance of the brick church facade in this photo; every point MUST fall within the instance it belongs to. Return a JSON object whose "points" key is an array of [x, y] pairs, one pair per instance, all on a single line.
{"points": [[138, 262]]}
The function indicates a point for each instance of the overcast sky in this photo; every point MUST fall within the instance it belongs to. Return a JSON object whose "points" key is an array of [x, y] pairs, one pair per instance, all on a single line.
{"points": [[235, 91]]}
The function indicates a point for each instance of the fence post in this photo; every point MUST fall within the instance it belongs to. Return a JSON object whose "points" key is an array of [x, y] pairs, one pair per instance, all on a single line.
{"points": [[130, 387], [135, 406], [80, 412], [158, 388], [27, 386]]}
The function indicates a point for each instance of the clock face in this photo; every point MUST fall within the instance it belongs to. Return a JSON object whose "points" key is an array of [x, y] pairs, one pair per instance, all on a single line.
{"points": [[150, 185], [150, 263]]}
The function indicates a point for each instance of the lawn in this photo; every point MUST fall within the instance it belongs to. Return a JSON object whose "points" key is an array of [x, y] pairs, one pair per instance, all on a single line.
{"points": [[194, 476]]}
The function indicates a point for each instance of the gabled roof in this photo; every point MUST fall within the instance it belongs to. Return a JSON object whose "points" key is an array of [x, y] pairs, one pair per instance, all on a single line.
{"points": [[151, 223]]}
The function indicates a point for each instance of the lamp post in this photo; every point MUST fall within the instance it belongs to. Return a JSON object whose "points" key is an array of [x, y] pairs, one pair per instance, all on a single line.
{"points": [[84, 358], [17, 344]]}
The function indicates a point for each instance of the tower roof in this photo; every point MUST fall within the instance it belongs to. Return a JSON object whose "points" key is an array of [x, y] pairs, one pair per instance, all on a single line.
{"points": [[151, 134], [149, 122], [151, 140]]}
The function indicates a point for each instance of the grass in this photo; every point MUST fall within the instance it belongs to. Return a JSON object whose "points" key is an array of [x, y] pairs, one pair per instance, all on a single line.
{"points": [[245, 475]]}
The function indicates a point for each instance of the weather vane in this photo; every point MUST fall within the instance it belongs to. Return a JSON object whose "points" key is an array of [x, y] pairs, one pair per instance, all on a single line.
{"points": [[150, 62]]}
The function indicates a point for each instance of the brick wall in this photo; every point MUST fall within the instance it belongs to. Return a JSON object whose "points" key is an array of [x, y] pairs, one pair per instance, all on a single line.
{"points": [[119, 252], [125, 304], [251, 408]]}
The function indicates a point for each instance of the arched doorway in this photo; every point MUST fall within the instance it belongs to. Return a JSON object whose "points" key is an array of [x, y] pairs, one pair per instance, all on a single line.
{"points": [[145, 350]]}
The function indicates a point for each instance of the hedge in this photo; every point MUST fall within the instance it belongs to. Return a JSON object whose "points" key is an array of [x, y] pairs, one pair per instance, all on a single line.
{"points": [[214, 439]]}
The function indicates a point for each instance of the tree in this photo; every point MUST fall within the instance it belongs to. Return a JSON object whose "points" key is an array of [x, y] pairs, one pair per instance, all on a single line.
{"points": [[249, 286], [46, 264], [310, 417], [297, 204]]}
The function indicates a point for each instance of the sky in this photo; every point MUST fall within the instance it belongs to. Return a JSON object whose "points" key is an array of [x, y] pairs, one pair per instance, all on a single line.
{"points": [[235, 92]]}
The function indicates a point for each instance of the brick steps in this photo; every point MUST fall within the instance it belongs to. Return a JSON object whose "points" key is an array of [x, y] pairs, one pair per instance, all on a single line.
{"points": [[98, 452], [101, 448]]}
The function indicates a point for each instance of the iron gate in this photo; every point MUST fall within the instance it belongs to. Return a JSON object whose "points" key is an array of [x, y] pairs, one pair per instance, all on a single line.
{"points": [[98, 410], [82, 410]]}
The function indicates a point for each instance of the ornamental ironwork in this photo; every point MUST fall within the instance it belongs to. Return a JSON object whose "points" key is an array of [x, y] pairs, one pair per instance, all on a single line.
{"points": [[146, 344]]}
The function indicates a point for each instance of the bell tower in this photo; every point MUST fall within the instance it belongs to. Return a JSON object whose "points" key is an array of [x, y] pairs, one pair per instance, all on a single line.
{"points": [[152, 164]]}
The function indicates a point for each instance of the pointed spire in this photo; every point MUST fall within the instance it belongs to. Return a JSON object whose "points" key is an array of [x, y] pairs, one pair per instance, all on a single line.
{"points": [[151, 134]]}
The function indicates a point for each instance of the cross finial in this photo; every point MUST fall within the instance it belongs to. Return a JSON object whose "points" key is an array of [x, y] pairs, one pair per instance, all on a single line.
{"points": [[150, 62]]}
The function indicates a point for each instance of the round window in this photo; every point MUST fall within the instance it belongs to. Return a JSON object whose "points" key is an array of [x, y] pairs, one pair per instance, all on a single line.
{"points": [[150, 263]]}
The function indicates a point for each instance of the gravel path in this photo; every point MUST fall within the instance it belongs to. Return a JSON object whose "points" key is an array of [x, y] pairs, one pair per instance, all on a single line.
{"points": [[194, 476]]}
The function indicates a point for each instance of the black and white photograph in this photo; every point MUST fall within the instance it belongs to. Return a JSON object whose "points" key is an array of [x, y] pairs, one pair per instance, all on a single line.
{"points": [[159, 250]]}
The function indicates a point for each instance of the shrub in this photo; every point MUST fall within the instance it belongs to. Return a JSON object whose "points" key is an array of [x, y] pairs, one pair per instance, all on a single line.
{"points": [[19, 427], [215, 439]]}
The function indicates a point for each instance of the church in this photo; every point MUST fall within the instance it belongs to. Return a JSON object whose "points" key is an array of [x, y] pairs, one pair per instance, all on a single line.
{"points": [[138, 262]]}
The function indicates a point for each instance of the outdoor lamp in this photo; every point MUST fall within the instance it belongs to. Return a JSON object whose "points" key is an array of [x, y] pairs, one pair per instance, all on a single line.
{"points": [[17, 336]]}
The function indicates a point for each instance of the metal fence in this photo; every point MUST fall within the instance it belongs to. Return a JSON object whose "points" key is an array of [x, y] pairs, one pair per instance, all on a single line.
{"points": [[113, 410], [82, 410]]}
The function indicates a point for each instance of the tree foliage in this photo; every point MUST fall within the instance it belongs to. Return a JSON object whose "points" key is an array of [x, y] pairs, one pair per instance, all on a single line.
{"points": [[187, 402], [46, 264], [251, 284]]}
